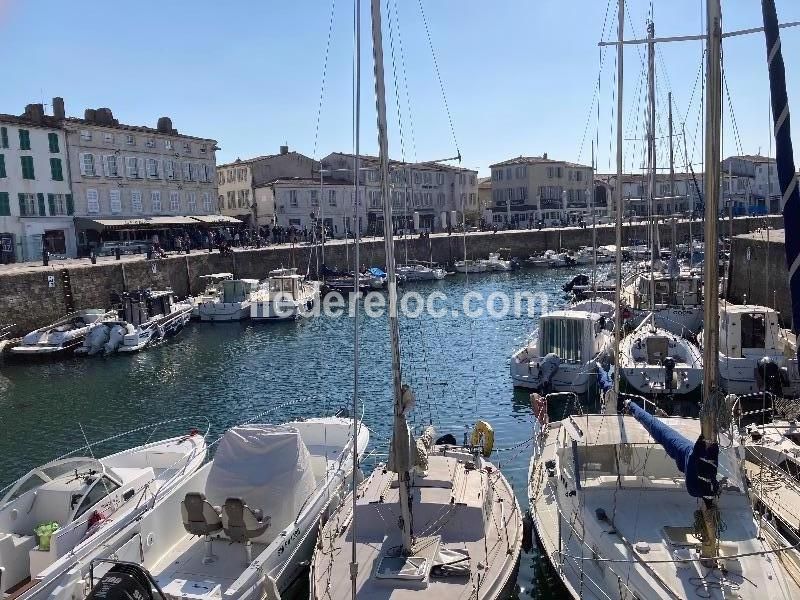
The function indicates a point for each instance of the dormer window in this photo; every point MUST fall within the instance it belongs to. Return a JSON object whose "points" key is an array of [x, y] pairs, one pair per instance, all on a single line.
{"points": [[129, 139], [187, 147], [167, 144], [150, 143]]}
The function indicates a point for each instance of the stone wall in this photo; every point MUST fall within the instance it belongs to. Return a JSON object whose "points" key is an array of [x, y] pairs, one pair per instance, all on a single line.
{"points": [[27, 299]]}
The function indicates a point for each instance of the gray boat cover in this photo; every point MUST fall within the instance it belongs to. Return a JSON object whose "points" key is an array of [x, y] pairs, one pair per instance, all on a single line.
{"points": [[267, 466]]}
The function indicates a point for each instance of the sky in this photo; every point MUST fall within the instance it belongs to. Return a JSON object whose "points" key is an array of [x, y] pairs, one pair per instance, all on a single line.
{"points": [[520, 77]]}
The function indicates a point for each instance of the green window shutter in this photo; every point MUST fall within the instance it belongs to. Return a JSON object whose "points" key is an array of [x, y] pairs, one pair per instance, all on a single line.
{"points": [[51, 203], [4, 137], [27, 167], [21, 204], [42, 209], [24, 139], [2, 166], [70, 205], [52, 138], [55, 169], [5, 205]]}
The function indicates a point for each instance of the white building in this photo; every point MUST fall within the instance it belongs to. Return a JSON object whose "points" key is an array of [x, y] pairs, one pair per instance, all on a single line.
{"points": [[36, 205]]}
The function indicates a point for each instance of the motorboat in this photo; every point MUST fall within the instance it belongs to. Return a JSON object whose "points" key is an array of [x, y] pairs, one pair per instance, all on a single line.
{"points": [[212, 291], [287, 296], [244, 525], [418, 271], [470, 266], [657, 362], [70, 507], [234, 304], [495, 263], [755, 352], [64, 335], [376, 278], [540, 261], [563, 352], [609, 504], [678, 302]]}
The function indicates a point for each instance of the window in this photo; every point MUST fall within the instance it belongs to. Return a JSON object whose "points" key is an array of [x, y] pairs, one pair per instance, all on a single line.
{"points": [[115, 202], [111, 166], [221, 202], [578, 175], [27, 205], [427, 177], [314, 198], [462, 179], [169, 169], [5, 205], [155, 201], [55, 169], [174, 201], [753, 330], [27, 167], [416, 177], [2, 166], [58, 204], [428, 199], [129, 139], [86, 135], [87, 164], [472, 177], [231, 200], [4, 137], [92, 202], [500, 175], [152, 168], [131, 167], [230, 175], [187, 171], [331, 197], [440, 178], [549, 172], [508, 172], [245, 198], [187, 147], [108, 138], [52, 141], [167, 144], [203, 149], [136, 201], [150, 143], [559, 172], [191, 202], [206, 202], [472, 197], [440, 199], [102, 488], [239, 174], [293, 198]]}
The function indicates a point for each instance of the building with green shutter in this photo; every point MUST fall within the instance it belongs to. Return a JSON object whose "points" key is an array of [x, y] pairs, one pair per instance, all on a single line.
{"points": [[36, 204]]}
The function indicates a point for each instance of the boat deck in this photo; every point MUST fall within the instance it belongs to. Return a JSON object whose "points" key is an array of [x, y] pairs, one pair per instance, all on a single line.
{"points": [[778, 490]]}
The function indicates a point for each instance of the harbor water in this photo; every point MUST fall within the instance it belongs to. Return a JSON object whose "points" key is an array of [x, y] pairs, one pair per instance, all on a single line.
{"points": [[234, 372]]}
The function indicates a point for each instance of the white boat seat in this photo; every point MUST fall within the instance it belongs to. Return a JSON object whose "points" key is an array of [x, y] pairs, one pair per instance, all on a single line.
{"points": [[199, 516], [242, 523]]}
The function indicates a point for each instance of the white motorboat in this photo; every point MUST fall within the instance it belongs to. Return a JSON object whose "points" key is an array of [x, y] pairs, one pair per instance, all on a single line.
{"points": [[63, 335], [540, 261], [234, 304], [755, 352], [470, 266], [70, 507], [244, 525], [559, 259], [677, 305], [212, 290], [495, 263], [563, 352], [420, 272], [610, 507], [287, 296], [657, 362]]}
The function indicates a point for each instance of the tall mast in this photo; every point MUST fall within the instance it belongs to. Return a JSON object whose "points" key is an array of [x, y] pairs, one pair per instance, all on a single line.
{"points": [[655, 254], [713, 137], [689, 194], [400, 433], [618, 193], [671, 175]]}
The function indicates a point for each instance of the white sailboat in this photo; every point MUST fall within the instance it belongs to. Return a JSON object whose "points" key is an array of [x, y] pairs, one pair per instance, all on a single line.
{"points": [[233, 304], [286, 296], [438, 519], [69, 507]]}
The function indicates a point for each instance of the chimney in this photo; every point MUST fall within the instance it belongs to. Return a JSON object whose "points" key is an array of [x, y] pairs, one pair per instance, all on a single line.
{"points": [[90, 115], [284, 149], [34, 112], [58, 108], [164, 125], [544, 155]]}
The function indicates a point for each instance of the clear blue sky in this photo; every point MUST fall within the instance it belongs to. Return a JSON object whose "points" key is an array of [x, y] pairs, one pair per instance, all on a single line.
{"points": [[520, 76]]}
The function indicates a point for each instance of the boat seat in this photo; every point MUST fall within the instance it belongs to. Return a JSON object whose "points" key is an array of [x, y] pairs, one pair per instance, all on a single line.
{"points": [[242, 523], [199, 516]]}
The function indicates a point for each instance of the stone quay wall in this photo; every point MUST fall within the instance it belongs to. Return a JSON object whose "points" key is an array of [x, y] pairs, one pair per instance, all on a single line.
{"points": [[32, 296]]}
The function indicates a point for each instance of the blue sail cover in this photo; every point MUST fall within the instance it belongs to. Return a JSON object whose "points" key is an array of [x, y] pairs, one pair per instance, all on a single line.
{"points": [[790, 200], [376, 272], [697, 461], [604, 381]]}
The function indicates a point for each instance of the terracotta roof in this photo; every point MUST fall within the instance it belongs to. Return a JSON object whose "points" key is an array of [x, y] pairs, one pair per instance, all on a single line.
{"points": [[535, 160]]}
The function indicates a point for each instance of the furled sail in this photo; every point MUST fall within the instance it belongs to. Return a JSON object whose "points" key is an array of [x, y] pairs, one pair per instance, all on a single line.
{"points": [[698, 461], [790, 198]]}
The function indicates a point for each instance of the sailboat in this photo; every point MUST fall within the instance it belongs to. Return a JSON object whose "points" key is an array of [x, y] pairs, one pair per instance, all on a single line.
{"points": [[439, 518], [637, 506]]}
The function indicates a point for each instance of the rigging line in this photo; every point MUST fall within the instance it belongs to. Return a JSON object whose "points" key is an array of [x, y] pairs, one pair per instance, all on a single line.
{"points": [[324, 76], [389, 16], [409, 109], [734, 124], [439, 77]]}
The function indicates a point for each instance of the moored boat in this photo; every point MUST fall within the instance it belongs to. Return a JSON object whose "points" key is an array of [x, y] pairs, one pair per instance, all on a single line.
{"points": [[64, 335]]}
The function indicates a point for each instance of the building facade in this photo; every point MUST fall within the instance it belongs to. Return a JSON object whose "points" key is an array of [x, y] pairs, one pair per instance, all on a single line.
{"points": [[301, 204], [36, 205], [530, 189], [243, 192], [425, 196]]}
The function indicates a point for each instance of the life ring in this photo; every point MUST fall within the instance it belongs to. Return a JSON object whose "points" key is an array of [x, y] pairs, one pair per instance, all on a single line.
{"points": [[483, 434]]}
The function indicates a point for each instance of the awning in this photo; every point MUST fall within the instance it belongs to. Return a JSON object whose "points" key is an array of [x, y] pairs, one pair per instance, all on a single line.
{"points": [[217, 219], [137, 223]]}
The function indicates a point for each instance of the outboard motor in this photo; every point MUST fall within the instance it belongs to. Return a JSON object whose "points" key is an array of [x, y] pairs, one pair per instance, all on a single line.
{"points": [[126, 581], [96, 339], [116, 337], [769, 376], [669, 372], [547, 369], [577, 280]]}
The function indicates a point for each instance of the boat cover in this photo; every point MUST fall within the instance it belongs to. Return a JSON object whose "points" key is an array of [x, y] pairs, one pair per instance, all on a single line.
{"points": [[697, 461], [376, 272], [267, 466]]}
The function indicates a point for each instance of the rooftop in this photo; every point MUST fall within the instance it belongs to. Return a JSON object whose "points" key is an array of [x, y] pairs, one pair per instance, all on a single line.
{"points": [[536, 160], [754, 158], [305, 181], [371, 159], [256, 159]]}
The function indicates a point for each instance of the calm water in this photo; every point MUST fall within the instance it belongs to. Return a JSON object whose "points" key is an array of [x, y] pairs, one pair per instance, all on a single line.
{"points": [[232, 372]]}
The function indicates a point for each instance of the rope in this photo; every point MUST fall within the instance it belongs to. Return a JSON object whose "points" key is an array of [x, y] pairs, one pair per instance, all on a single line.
{"points": [[324, 76]]}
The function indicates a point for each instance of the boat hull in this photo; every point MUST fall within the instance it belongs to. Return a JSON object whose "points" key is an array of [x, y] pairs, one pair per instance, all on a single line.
{"points": [[225, 311]]}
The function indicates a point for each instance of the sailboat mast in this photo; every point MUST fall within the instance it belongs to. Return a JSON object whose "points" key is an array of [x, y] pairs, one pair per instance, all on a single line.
{"points": [[651, 156], [400, 427], [671, 155], [618, 193], [713, 135]]}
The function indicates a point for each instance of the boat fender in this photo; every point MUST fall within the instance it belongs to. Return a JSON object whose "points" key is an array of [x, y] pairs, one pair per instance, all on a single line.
{"points": [[483, 435]]}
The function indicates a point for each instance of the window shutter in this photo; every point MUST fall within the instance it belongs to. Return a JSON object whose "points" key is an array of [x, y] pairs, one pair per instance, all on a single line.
{"points": [[70, 205], [105, 165], [140, 172], [42, 209], [51, 203], [4, 137], [2, 166], [5, 205], [82, 162], [21, 197]]}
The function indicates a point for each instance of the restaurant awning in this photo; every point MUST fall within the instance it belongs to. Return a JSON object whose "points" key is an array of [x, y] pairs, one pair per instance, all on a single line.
{"points": [[218, 219], [133, 223]]}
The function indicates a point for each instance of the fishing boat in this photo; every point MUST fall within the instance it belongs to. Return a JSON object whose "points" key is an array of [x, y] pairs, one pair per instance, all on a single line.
{"points": [[212, 290], [470, 266], [70, 507], [418, 271], [755, 352], [242, 526], [64, 335], [439, 519], [496, 263], [287, 296], [540, 261], [563, 352], [233, 304]]}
